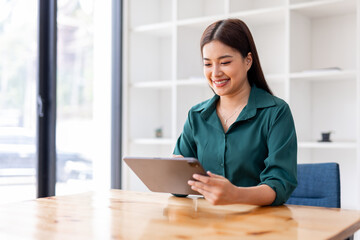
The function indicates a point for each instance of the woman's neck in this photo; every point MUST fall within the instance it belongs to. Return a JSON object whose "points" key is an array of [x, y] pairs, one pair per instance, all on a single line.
{"points": [[231, 102]]}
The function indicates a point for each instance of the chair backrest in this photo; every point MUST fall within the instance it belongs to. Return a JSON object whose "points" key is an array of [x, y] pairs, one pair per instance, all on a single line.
{"points": [[318, 185]]}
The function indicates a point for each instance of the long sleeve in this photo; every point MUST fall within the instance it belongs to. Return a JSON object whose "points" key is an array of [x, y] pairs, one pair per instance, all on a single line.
{"points": [[185, 144], [281, 164]]}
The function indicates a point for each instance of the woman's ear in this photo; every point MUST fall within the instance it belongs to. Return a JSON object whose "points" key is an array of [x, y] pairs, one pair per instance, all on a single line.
{"points": [[248, 60]]}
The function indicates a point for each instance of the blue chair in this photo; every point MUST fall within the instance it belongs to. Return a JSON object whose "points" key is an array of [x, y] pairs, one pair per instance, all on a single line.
{"points": [[318, 185]]}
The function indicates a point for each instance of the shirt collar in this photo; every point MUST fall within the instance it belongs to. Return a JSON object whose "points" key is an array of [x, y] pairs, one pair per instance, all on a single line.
{"points": [[258, 98]]}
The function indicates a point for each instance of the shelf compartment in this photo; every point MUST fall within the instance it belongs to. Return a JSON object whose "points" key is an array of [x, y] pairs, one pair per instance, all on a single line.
{"points": [[261, 16], [314, 42], [190, 8], [149, 12], [270, 44], [324, 8], [150, 58], [189, 62], [149, 110], [248, 5], [319, 107]]}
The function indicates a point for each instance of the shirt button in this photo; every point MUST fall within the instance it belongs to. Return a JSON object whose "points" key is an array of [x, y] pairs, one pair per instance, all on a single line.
{"points": [[221, 164]]}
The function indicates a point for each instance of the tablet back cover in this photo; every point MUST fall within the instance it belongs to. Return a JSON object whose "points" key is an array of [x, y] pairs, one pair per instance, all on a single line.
{"points": [[168, 175]]}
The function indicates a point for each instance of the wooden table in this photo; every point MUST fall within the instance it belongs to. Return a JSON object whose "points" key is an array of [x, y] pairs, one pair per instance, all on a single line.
{"points": [[119, 214]]}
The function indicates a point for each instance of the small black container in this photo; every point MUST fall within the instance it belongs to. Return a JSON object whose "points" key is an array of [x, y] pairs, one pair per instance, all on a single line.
{"points": [[325, 137]]}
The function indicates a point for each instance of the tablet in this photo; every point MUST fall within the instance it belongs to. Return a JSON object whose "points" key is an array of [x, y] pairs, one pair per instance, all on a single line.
{"points": [[168, 175]]}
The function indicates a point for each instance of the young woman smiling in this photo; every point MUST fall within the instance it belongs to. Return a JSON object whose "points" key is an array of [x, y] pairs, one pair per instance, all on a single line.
{"points": [[244, 136]]}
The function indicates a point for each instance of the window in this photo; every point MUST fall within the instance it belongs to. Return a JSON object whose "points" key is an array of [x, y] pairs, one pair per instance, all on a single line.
{"points": [[18, 76], [83, 95]]}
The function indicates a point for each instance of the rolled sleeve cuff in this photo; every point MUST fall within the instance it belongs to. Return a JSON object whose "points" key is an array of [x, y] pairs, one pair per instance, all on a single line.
{"points": [[279, 191]]}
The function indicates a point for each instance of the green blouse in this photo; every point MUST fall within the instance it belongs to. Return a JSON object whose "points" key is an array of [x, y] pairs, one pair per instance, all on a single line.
{"points": [[260, 147]]}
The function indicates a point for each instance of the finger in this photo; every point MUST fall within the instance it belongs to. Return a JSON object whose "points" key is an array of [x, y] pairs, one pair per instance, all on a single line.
{"points": [[177, 156], [209, 196], [201, 178], [214, 175], [202, 191], [191, 182], [200, 185]]}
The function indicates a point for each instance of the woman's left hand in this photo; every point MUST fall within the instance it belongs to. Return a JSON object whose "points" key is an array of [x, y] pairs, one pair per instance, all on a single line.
{"points": [[215, 188]]}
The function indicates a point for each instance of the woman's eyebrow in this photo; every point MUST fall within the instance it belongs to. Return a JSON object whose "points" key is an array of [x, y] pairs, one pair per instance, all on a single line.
{"points": [[221, 57]]}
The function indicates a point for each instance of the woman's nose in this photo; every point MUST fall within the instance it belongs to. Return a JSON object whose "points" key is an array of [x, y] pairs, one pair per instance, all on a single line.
{"points": [[216, 71]]}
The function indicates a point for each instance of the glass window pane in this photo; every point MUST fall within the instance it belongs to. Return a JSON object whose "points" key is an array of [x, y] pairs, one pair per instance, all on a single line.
{"points": [[83, 95], [18, 73]]}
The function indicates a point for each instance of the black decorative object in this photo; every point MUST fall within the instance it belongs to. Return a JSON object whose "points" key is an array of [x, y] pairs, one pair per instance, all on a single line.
{"points": [[325, 137]]}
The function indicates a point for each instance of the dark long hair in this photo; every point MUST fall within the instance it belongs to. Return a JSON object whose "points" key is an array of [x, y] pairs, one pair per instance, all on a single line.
{"points": [[235, 34]]}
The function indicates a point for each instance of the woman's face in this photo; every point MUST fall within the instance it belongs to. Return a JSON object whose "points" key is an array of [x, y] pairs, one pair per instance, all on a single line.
{"points": [[225, 68]]}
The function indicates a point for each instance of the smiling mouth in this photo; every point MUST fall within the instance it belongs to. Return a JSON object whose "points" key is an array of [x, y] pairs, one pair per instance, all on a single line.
{"points": [[220, 81]]}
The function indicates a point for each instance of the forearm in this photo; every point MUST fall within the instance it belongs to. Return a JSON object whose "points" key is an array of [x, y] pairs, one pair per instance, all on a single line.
{"points": [[258, 195]]}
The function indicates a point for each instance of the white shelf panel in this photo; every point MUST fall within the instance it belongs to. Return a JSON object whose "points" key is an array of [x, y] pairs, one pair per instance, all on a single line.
{"points": [[324, 8], [153, 84], [156, 29], [328, 145], [192, 82], [323, 75], [154, 141], [251, 17], [261, 16], [276, 78], [200, 21]]}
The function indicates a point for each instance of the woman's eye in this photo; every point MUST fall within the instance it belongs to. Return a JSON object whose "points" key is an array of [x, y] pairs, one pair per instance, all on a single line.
{"points": [[225, 63], [207, 64]]}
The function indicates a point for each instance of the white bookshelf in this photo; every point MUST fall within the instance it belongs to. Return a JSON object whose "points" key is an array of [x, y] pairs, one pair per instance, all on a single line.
{"points": [[309, 51]]}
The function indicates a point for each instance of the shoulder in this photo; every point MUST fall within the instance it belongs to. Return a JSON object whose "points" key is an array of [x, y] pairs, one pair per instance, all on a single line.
{"points": [[280, 112], [268, 99], [261, 99], [280, 103], [271, 105]]}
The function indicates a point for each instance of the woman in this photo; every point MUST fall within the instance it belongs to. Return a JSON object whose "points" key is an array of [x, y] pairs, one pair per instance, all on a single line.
{"points": [[244, 136]]}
